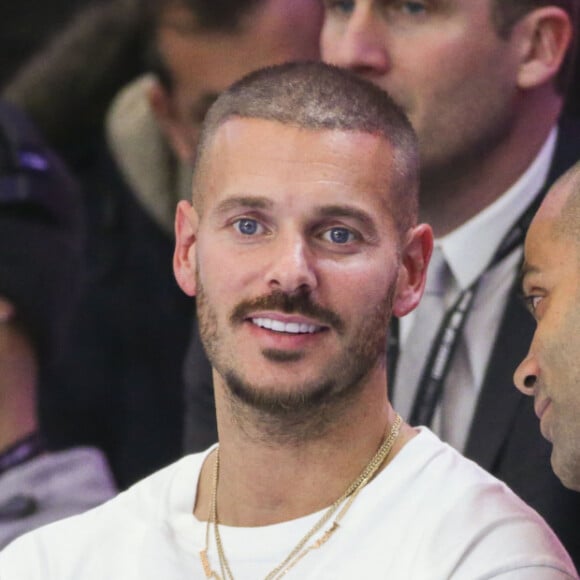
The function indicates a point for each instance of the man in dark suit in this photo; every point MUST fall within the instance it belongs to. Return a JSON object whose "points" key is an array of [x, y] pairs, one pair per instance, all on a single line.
{"points": [[483, 83]]}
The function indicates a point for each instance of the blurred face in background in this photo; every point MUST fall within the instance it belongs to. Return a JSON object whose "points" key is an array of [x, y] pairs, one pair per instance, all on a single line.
{"points": [[442, 61], [203, 63]]}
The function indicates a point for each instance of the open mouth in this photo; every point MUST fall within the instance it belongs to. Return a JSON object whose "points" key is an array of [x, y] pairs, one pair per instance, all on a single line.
{"points": [[286, 327]]}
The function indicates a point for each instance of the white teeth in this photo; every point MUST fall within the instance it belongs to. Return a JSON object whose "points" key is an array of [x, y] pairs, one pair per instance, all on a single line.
{"points": [[290, 327], [277, 326]]}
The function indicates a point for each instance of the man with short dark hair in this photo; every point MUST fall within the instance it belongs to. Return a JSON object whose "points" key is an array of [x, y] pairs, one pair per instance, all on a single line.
{"points": [[483, 83], [300, 243], [551, 285]]}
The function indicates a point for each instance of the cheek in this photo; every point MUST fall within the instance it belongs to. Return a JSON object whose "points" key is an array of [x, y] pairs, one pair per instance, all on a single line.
{"points": [[560, 363], [228, 277], [454, 68], [211, 266], [330, 39], [362, 289]]}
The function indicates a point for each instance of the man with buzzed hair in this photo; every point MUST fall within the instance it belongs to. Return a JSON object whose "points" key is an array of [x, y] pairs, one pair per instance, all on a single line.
{"points": [[301, 242], [483, 83], [41, 242], [551, 284]]}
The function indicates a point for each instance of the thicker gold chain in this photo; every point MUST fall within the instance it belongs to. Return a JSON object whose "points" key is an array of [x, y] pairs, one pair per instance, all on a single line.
{"points": [[301, 549]]}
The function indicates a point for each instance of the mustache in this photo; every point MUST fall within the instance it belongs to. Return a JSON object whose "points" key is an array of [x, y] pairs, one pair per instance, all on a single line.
{"points": [[298, 303]]}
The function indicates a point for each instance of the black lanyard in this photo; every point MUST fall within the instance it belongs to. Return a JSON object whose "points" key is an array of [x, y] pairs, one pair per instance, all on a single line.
{"points": [[446, 340], [22, 451]]}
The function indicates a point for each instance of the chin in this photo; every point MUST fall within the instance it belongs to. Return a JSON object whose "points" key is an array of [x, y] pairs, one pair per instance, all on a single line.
{"points": [[570, 480], [566, 466]]}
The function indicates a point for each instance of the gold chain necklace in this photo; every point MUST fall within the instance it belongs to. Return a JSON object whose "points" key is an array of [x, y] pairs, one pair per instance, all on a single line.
{"points": [[301, 549]]}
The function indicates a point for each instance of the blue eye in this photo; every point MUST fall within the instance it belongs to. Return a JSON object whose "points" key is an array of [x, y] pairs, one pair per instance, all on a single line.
{"points": [[339, 235], [247, 226]]}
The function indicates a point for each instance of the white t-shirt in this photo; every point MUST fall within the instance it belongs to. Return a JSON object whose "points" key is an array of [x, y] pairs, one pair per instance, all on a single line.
{"points": [[430, 515]]}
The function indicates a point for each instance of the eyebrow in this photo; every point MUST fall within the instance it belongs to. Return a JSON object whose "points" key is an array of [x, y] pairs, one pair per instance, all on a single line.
{"points": [[246, 201], [527, 269]]}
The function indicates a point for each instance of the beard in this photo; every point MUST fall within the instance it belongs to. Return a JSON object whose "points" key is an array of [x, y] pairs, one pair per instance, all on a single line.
{"points": [[306, 409]]}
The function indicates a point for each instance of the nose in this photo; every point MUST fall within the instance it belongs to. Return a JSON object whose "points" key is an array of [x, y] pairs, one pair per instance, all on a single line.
{"points": [[526, 375], [292, 266], [359, 44]]}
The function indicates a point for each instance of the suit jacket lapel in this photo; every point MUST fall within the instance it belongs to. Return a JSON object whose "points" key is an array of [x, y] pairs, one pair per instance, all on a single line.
{"points": [[499, 399]]}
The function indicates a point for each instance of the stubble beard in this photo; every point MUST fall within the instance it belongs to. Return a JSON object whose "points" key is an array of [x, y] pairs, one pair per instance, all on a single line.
{"points": [[560, 354], [305, 411]]}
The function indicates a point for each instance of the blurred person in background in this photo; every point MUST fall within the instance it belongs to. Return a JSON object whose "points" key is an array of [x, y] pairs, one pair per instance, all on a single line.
{"points": [[41, 237], [25, 28], [66, 89]]}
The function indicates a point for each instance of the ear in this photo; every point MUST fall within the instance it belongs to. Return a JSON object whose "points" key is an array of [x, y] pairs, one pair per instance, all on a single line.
{"points": [[184, 257], [415, 257], [165, 110], [547, 33]]}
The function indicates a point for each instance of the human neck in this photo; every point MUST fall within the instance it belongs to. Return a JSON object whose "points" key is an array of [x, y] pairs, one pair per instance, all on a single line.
{"points": [[263, 483], [451, 196], [18, 416]]}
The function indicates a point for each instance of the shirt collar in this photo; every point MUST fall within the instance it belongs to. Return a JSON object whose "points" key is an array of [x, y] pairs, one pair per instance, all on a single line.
{"points": [[482, 234]]}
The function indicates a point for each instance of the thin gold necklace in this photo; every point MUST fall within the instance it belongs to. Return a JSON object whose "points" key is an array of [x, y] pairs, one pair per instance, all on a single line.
{"points": [[301, 549]]}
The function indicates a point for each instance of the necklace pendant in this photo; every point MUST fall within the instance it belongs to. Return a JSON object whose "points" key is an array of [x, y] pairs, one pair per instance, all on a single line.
{"points": [[326, 536], [209, 573]]}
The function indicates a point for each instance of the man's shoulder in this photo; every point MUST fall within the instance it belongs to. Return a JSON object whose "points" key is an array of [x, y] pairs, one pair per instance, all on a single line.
{"points": [[104, 536], [436, 471], [470, 521]]}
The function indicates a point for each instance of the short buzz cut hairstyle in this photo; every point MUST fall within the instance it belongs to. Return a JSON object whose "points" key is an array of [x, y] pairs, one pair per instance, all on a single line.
{"points": [[506, 14], [317, 96], [568, 223]]}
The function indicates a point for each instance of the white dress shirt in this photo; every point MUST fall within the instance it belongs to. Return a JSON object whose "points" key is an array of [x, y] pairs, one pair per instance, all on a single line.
{"points": [[468, 249]]}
